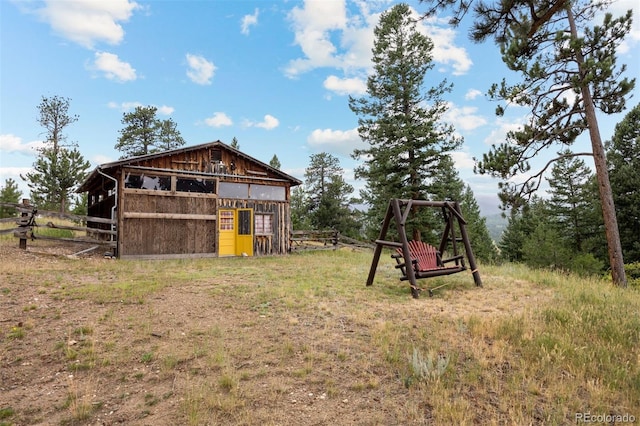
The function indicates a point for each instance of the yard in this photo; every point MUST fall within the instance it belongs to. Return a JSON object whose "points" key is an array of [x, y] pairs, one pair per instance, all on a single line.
{"points": [[300, 339]]}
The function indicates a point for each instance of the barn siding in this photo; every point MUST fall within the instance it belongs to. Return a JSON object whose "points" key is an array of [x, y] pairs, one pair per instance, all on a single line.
{"points": [[159, 236]]}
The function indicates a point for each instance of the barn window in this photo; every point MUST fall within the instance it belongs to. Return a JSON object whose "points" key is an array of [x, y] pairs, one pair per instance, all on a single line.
{"points": [[226, 220], [195, 185], [233, 190], [264, 224], [268, 192], [155, 183]]}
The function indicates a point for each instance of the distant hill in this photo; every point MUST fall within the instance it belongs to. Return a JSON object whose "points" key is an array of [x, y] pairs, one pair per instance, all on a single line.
{"points": [[496, 224]]}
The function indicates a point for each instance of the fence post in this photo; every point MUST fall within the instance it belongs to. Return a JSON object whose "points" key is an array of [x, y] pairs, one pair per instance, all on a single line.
{"points": [[23, 237]]}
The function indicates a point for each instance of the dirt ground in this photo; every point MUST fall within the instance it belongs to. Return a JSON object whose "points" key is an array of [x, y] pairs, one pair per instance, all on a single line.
{"points": [[193, 355]]}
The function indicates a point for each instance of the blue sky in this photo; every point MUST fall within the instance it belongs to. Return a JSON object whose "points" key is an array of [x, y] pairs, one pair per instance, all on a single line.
{"points": [[274, 74]]}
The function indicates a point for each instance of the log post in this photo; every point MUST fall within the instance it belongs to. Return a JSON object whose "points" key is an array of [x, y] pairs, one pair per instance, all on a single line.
{"points": [[23, 237]]}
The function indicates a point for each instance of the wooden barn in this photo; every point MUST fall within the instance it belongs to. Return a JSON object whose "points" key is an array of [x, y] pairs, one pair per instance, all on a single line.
{"points": [[200, 201]]}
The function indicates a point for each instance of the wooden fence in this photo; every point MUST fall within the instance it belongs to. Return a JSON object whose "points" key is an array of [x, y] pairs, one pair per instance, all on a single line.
{"points": [[29, 221], [323, 240]]}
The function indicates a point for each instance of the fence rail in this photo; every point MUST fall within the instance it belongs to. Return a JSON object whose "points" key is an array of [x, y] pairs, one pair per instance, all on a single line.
{"points": [[27, 225], [323, 240]]}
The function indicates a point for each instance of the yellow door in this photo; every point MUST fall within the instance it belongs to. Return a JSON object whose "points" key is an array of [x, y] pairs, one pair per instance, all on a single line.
{"points": [[244, 239], [227, 232], [235, 229]]}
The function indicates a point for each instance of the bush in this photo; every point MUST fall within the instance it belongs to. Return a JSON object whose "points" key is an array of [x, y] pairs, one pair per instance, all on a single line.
{"points": [[585, 264], [633, 274]]}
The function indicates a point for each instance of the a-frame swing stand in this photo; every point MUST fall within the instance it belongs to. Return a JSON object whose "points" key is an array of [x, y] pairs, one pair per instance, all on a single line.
{"points": [[420, 260]]}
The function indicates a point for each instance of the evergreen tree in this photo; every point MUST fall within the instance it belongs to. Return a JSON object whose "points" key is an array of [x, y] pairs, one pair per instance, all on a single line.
{"points": [[522, 222], [448, 186], [481, 242], [168, 136], [570, 203], [9, 193], [568, 69], [234, 144], [399, 119], [80, 204], [543, 247], [59, 167], [328, 195], [275, 163], [623, 153], [145, 134], [299, 209]]}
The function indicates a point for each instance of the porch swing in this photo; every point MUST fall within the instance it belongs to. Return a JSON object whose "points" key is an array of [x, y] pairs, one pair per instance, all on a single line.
{"points": [[417, 259]]}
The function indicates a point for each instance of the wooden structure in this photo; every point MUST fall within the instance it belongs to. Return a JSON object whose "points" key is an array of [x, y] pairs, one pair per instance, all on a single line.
{"points": [[206, 200], [420, 260], [28, 229]]}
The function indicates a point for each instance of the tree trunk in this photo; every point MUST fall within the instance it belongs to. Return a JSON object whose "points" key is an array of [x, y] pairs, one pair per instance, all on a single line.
{"points": [[602, 173]]}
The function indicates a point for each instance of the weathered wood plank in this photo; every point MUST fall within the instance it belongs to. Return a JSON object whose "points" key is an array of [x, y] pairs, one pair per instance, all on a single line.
{"points": [[81, 228], [183, 216]]}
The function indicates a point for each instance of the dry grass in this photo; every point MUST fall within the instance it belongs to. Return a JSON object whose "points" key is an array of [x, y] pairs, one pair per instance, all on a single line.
{"points": [[299, 339]]}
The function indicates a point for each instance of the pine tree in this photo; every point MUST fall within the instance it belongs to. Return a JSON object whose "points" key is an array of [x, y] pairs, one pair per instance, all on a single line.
{"points": [[522, 222], [9, 193], [145, 134], [234, 144], [168, 136], [623, 153], [275, 163], [299, 209], [481, 242], [59, 167], [569, 71], [448, 186], [399, 119], [328, 195], [570, 203]]}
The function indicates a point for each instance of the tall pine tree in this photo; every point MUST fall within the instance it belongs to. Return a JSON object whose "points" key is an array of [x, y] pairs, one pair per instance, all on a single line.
{"points": [[570, 203], [569, 73], [623, 153], [145, 134], [59, 167], [399, 119], [328, 195]]}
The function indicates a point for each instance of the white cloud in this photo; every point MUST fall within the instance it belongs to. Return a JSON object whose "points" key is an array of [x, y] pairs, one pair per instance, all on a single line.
{"points": [[445, 51], [124, 106], [464, 118], [328, 37], [472, 94], [130, 106], [165, 110], [13, 144], [338, 141], [87, 22], [113, 68], [101, 159], [269, 123], [463, 160], [312, 25], [218, 119], [200, 70], [499, 133], [248, 21], [345, 86]]}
